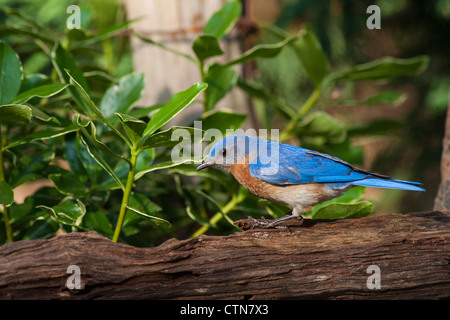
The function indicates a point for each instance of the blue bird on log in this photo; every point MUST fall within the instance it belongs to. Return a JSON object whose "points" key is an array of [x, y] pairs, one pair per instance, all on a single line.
{"points": [[290, 175]]}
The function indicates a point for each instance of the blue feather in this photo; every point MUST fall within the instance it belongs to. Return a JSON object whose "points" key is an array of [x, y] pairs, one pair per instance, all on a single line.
{"points": [[295, 165], [389, 184]]}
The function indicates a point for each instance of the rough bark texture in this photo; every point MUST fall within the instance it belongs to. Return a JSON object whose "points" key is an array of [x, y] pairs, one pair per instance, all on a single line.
{"points": [[442, 201], [321, 259]]}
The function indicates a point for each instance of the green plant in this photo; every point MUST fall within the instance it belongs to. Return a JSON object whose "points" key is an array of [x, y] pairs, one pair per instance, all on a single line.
{"points": [[115, 107], [73, 122], [139, 136], [96, 168]]}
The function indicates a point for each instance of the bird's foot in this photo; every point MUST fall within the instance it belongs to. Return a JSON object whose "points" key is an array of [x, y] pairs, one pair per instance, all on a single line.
{"points": [[273, 224]]}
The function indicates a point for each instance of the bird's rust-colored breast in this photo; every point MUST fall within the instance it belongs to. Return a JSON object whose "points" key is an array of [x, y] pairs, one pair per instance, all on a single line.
{"points": [[300, 195], [259, 187]]}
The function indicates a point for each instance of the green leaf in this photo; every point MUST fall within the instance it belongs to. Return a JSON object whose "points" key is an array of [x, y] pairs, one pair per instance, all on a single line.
{"points": [[31, 167], [83, 95], [162, 46], [42, 228], [121, 170], [223, 20], [345, 206], [145, 159], [276, 210], [321, 124], [34, 80], [25, 31], [23, 211], [38, 114], [141, 202], [387, 96], [92, 107], [205, 46], [96, 156], [10, 73], [98, 221], [133, 127], [44, 91], [311, 56], [215, 174], [90, 131], [30, 21], [76, 35], [142, 205], [40, 135], [68, 184], [123, 96], [385, 68], [261, 93], [377, 127], [80, 161], [351, 195], [155, 167], [62, 60], [222, 120], [261, 51], [6, 194], [105, 33], [166, 138], [14, 113], [190, 171], [218, 206], [178, 102], [69, 212], [197, 217], [220, 81], [142, 112], [343, 210]]}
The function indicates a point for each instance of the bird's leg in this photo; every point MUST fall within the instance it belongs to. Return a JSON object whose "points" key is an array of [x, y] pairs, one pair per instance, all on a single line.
{"points": [[275, 223]]}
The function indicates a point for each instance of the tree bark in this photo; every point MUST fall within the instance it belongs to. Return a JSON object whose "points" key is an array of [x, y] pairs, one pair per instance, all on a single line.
{"points": [[442, 200], [322, 259]]}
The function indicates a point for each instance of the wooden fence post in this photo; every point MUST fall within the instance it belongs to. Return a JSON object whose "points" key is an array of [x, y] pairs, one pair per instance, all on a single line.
{"points": [[176, 23]]}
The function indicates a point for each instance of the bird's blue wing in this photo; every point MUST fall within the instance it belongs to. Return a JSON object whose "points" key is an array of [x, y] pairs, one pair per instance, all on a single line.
{"points": [[294, 165]]}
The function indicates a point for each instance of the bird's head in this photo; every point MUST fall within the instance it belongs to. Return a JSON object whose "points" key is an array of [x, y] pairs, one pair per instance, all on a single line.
{"points": [[231, 150]]}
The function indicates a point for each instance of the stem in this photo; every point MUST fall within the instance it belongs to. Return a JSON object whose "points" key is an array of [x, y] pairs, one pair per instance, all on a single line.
{"points": [[235, 200], [301, 112], [205, 92], [109, 55], [9, 237], [126, 195]]}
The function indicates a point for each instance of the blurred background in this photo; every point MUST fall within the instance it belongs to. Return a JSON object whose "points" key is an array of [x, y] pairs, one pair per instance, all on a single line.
{"points": [[400, 136]]}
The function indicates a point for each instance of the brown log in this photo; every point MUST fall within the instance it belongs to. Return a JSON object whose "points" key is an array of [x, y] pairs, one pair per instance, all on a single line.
{"points": [[442, 200], [325, 259]]}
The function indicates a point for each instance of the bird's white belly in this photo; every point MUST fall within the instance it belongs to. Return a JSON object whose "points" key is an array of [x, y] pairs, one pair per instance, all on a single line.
{"points": [[302, 196]]}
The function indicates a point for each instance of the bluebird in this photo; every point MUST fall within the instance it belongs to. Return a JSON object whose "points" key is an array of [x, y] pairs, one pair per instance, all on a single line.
{"points": [[290, 175]]}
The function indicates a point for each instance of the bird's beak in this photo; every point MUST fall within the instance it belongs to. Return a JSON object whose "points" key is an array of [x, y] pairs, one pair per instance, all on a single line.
{"points": [[205, 165]]}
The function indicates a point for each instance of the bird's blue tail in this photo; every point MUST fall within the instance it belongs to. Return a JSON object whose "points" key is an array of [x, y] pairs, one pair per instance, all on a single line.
{"points": [[389, 184]]}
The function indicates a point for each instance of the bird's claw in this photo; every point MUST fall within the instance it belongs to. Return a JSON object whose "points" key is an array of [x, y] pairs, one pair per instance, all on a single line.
{"points": [[272, 224]]}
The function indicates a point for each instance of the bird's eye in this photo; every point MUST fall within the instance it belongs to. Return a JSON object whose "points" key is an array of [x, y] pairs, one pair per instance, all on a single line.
{"points": [[224, 152]]}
